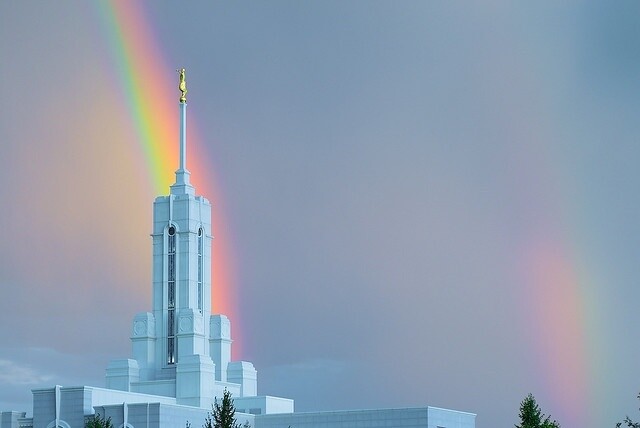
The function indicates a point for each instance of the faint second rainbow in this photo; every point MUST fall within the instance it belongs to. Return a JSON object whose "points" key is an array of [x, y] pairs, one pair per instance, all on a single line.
{"points": [[555, 281]]}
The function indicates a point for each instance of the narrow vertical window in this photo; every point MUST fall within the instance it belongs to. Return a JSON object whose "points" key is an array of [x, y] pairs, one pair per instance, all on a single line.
{"points": [[200, 275], [171, 296]]}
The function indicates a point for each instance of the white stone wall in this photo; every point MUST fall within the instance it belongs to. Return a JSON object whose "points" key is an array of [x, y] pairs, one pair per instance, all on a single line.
{"points": [[156, 415], [450, 418], [426, 417], [262, 404]]}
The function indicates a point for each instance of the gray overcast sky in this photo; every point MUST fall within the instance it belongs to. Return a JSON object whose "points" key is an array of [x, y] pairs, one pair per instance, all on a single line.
{"points": [[427, 203]]}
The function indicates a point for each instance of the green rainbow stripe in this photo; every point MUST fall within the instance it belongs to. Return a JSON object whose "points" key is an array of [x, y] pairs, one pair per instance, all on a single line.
{"points": [[138, 69]]}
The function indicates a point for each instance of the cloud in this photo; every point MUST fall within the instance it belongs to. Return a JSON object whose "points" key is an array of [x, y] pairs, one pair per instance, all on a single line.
{"points": [[19, 373], [13, 373]]}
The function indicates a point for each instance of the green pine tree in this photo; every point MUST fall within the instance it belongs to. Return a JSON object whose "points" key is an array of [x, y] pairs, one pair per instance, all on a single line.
{"points": [[97, 421], [223, 414], [628, 422], [532, 417]]}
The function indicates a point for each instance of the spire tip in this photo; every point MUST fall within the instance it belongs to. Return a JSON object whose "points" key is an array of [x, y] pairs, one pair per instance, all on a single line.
{"points": [[182, 86]]}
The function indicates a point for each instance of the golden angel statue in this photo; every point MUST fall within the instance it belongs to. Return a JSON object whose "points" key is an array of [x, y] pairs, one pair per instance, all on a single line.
{"points": [[182, 86]]}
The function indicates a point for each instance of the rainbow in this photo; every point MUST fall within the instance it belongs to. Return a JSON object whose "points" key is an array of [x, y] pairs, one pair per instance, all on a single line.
{"points": [[557, 318], [558, 303], [149, 93], [563, 308]]}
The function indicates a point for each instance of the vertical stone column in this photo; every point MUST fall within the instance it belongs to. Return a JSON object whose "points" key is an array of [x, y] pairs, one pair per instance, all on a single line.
{"points": [[121, 373], [220, 344], [194, 380], [243, 373], [190, 335], [143, 343]]}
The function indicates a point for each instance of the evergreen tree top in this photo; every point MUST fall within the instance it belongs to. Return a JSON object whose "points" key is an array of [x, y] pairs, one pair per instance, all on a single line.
{"points": [[532, 417]]}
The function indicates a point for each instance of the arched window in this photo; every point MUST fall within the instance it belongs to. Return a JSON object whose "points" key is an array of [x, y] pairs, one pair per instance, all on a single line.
{"points": [[171, 295], [61, 424], [200, 267]]}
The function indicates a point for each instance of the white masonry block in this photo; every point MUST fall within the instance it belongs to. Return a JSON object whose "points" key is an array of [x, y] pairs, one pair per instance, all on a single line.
{"points": [[243, 373]]}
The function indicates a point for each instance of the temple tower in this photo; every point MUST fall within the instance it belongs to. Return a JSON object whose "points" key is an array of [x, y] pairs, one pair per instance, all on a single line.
{"points": [[179, 348]]}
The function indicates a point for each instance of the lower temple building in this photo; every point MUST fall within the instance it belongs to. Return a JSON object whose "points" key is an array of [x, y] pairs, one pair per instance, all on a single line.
{"points": [[181, 352]]}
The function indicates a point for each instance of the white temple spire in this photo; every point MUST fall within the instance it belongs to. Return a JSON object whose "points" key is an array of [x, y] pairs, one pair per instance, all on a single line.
{"points": [[183, 137], [182, 184]]}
